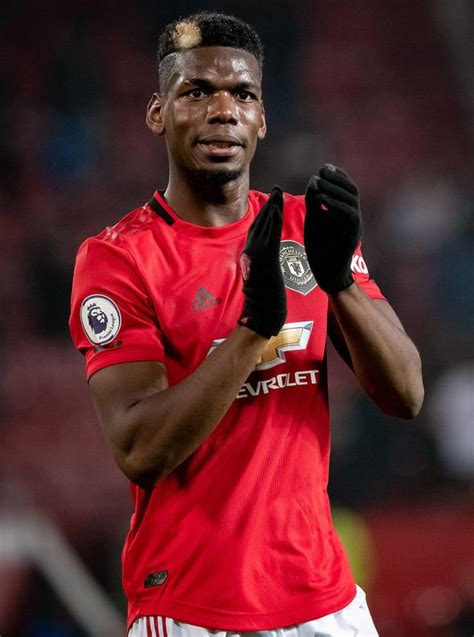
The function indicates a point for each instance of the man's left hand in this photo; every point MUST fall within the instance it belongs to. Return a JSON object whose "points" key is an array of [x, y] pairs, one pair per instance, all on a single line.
{"points": [[333, 227]]}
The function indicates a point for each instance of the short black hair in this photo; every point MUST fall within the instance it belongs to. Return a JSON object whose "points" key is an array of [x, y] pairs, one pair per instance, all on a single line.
{"points": [[204, 29]]}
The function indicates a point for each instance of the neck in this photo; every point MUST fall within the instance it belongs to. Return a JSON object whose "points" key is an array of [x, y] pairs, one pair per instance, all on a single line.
{"points": [[198, 200]]}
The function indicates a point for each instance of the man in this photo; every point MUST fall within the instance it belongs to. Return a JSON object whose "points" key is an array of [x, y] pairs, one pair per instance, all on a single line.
{"points": [[203, 317]]}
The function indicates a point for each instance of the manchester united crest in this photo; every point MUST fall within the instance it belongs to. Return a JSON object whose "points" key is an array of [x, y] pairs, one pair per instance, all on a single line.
{"points": [[295, 267]]}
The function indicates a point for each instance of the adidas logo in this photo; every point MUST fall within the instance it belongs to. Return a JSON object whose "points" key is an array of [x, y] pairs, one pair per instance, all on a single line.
{"points": [[204, 300]]}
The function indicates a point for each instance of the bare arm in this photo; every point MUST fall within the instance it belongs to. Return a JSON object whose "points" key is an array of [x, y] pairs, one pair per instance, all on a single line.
{"points": [[152, 428], [369, 336]]}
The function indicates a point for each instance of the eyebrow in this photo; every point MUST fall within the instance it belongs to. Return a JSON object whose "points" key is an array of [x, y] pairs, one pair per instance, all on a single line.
{"points": [[206, 84]]}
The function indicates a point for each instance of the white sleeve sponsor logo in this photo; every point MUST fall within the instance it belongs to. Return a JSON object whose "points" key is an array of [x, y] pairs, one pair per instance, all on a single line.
{"points": [[358, 264]]}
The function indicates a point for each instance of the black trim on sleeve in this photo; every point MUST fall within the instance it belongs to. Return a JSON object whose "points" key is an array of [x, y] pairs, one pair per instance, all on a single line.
{"points": [[160, 211]]}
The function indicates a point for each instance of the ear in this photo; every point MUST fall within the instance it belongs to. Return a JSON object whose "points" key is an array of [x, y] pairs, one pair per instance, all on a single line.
{"points": [[262, 131], [154, 115]]}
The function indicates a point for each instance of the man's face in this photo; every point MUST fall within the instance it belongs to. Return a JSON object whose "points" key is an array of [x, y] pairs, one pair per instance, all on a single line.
{"points": [[212, 114]]}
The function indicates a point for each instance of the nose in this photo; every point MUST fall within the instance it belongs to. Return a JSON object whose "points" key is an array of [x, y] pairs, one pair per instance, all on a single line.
{"points": [[222, 108]]}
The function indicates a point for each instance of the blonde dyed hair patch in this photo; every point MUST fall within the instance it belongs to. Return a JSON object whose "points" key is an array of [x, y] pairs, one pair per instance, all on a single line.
{"points": [[186, 35]]}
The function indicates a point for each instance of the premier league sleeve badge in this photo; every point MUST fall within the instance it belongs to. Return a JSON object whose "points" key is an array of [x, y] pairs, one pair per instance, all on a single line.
{"points": [[101, 319]]}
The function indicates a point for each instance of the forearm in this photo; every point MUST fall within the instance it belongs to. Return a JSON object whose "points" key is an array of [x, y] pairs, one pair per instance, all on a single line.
{"points": [[384, 359], [166, 427]]}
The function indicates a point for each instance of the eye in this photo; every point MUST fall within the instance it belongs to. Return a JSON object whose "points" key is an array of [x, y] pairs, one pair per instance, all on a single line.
{"points": [[196, 93], [245, 96]]}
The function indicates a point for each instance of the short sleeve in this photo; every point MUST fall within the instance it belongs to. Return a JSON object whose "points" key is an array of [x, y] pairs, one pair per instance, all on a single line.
{"points": [[112, 316], [361, 275]]}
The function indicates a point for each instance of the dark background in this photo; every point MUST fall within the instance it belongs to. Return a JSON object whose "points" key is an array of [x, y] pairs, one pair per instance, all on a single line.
{"points": [[383, 89]]}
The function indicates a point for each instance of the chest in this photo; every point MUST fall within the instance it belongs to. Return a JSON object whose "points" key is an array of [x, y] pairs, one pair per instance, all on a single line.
{"points": [[196, 289]]}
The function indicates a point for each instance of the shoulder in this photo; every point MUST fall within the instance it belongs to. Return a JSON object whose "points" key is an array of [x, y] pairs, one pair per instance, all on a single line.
{"points": [[122, 235], [110, 260], [136, 222]]}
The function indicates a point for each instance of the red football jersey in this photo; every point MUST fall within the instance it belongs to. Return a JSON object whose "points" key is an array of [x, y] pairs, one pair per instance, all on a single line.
{"points": [[239, 536]]}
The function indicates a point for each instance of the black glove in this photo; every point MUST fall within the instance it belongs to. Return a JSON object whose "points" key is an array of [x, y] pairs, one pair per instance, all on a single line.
{"points": [[332, 228], [264, 290]]}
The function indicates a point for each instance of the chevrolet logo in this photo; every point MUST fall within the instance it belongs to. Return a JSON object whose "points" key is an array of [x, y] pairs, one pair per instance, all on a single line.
{"points": [[292, 336]]}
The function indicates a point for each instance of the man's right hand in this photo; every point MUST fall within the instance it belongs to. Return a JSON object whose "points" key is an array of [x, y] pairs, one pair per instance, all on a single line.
{"points": [[264, 290]]}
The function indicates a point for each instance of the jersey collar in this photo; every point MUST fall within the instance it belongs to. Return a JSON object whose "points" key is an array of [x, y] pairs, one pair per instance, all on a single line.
{"points": [[161, 207]]}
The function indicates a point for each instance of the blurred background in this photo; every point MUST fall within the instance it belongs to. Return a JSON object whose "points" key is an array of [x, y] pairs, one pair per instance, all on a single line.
{"points": [[383, 89]]}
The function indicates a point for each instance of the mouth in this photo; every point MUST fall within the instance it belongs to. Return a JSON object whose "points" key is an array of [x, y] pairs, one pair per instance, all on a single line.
{"points": [[220, 146]]}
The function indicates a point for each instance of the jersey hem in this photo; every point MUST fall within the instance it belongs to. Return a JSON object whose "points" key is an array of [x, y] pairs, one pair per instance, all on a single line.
{"points": [[130, 355], [230, 621]]}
